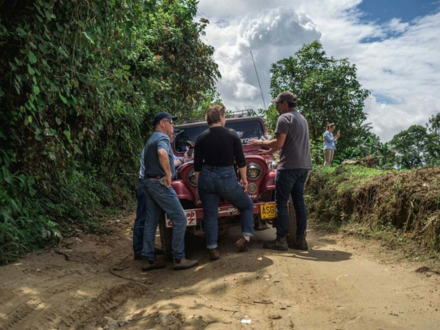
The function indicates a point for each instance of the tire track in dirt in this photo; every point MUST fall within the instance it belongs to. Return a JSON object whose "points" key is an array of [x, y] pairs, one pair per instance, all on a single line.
{"points": [[69, 304]]}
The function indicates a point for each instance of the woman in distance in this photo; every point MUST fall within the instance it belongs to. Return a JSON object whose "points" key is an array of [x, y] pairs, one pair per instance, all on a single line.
{"points": [[329, 144]]}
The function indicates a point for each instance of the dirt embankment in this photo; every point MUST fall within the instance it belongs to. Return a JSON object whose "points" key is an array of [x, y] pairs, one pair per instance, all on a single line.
{"points": [[401, 206], [91, 282]]}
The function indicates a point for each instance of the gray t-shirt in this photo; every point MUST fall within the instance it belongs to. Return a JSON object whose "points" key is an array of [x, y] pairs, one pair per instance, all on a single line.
{"points": [[150, 157], [295, 153]]}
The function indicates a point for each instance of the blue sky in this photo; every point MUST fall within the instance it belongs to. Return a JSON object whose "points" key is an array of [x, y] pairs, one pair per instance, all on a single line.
{"points": [[382, 11], [395, 45]]}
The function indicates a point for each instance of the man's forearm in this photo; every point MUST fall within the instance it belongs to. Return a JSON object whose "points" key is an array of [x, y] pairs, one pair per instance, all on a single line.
{"points": [[178, 162], [271, 144]]}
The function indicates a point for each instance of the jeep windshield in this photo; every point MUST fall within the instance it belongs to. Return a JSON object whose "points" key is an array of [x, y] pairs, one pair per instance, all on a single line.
{"points": [[246, 130]]}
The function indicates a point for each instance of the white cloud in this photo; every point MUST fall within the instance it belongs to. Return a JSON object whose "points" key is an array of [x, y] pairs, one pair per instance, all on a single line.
{"points": [[397, 61], [278, 27]]}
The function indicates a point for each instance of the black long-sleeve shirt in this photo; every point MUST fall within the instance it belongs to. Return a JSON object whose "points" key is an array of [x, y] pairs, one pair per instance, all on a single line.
{"points": [[218, 146]]}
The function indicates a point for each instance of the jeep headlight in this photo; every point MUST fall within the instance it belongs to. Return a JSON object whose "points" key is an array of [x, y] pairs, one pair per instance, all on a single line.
{"points": [[253, 170], [191, 177]]}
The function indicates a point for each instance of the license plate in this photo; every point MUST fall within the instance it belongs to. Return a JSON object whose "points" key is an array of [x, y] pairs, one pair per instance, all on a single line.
{"points": [[191, 219], [268, 211]]}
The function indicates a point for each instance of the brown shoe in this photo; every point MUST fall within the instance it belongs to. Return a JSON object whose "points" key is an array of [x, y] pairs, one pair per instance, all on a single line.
{"points": [[242, 244], [214, 254], [150, 265], [180, 264]]}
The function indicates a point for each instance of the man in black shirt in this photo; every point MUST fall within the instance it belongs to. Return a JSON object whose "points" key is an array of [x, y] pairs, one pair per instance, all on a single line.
{"points": [[214, 155]]}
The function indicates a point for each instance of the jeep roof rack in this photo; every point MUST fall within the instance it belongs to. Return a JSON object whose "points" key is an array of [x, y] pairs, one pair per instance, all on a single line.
{"points": [[241, 113]]}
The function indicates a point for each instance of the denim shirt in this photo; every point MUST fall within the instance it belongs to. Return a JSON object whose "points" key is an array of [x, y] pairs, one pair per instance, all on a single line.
{"points": [[142, 167], [329, 141], [157, 140]]}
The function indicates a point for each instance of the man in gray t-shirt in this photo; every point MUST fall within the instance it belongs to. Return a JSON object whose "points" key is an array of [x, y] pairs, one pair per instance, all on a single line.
{"points": [[292, 138], [295, 152]]}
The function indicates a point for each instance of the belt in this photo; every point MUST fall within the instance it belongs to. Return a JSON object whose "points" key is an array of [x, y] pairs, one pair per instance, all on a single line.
{"points": [[157, 177], [211, 166]]}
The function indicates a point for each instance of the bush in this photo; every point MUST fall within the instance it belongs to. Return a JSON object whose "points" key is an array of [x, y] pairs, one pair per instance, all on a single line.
{"points": [[80, 82]]}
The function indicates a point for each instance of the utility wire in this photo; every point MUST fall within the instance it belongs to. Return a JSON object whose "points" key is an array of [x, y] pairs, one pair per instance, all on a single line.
{"points": [[237, 71], [258, 78]]}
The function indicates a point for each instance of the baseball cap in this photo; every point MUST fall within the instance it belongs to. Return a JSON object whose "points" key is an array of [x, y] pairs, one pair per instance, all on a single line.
{"points": [[285, 96], [162, 115]]}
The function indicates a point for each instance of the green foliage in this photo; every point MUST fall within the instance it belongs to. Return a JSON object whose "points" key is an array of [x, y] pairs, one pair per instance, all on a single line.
{"points": [[416, 147], [271, 117], [317, 151], [80, 82], [22, 226], [369, 150], [208, 99], [327, 91], [434, 124]]}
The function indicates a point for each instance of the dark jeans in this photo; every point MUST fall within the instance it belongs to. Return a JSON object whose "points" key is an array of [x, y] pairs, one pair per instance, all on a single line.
{"points": [[139, 223], [216, 182], [290, 183]]}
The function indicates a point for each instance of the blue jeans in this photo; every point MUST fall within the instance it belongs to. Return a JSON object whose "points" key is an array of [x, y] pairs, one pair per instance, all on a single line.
{"points": [[161, 199], [216, 182], [139, 223], [290, 183]]}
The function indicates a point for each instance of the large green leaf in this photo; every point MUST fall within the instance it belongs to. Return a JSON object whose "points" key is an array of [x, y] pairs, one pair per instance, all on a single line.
{"points": [[32, 57]]}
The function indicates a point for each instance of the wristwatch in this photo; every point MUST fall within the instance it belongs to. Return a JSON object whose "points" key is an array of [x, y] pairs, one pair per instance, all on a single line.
{"points": [[261, 143]]}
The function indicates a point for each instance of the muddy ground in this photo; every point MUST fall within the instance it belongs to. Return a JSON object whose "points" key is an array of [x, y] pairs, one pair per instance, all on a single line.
{"points": [[91, 282]]}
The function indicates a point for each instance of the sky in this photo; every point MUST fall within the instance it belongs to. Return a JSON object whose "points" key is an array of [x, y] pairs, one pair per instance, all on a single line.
{"points": [[395, 45]]}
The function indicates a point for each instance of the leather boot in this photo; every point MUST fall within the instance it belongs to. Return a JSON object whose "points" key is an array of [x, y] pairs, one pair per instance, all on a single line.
{"points": [[300, 244], [279, 244], [214, 254], [242, 244], [153, 264]]}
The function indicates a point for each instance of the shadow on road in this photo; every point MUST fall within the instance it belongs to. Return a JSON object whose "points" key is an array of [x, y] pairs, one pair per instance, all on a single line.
{"points": [[322, 255]]}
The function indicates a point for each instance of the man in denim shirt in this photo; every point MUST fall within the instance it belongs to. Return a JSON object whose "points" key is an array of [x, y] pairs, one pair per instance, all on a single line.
{"points": [[292, 136], [160, 195], [141, 210]]}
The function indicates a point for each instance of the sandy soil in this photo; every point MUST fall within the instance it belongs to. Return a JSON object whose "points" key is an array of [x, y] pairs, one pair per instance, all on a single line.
{"points": [[91, 282]]}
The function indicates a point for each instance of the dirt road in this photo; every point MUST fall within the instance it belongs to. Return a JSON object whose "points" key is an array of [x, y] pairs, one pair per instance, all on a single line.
{"points": [[91, 282]]}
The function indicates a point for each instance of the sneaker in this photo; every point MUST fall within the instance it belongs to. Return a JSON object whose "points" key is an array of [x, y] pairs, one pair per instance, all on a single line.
{"points": [[300, 244], [214, 254], [242, 244], [279, 244], [150, 265], [180, 264]]}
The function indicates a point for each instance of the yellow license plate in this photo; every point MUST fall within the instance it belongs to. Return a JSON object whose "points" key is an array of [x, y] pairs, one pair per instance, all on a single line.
{"points": [[268, 211]]}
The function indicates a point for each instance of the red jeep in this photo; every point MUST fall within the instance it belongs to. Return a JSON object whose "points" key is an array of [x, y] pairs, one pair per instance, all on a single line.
{"points": [[261, 172]]}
